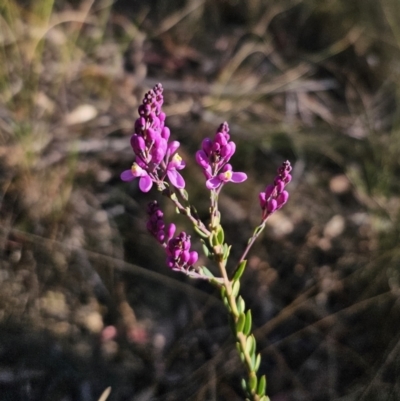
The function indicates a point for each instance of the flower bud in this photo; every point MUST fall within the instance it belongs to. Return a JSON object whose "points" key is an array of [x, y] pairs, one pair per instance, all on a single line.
{"points": [[171, 231], [282, 198], [269, 190], [262, 198], [206, 145], [194, 256], [272, 205]]}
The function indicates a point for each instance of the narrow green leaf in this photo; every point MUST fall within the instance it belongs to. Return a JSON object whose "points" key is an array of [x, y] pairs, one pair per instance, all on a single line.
{"points": [[247, 326], [253, 361], [206, 272], [199, 232], [223, 292], [184, 194], [213, 239], [240, 323], [262, 385], [220, 235], [238, 347], [253, 383], [240, 305], [244, 385], [239, 271], [236, 288], [253, 348], [242, 357], [227, 250], [249, 345], [206, 251], [257, 364], [226, 303], [194, 212]]}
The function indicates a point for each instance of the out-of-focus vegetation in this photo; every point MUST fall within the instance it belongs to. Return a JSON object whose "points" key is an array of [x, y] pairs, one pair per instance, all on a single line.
{"points": [[85, 299]]}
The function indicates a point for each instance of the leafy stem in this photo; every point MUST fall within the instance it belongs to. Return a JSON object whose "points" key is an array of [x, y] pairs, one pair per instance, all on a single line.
{"points": [[241, 326]]}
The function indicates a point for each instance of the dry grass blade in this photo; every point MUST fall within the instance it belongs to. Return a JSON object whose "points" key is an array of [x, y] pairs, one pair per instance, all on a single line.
{"points": [[175, 18], [105, 394]]}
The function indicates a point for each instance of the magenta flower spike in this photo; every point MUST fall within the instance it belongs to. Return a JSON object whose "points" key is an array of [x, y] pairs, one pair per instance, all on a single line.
{"points": [[274, 196], [156, 159], [214, 157]]}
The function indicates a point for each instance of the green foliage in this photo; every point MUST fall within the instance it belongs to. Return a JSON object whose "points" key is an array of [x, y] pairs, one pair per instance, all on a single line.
{"points": [[247, 325], [239, 271]]}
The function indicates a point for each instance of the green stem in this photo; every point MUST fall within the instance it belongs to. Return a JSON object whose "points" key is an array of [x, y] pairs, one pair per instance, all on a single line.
{"points": [[228, 288], [250, 243], [196, 222], [240, 336]]}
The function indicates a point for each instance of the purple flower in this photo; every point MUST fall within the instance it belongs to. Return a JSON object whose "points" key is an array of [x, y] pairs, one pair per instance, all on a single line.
{"points": [[175, 178], [227, 175], [145, 181], [214, 157], [179, 256], [274, 196], [156, 159]]}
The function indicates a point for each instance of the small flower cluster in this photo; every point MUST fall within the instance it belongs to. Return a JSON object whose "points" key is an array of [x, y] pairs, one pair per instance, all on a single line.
{"points": [[156, 225], [179, 256], [274, 196], [155, 157], [214, 157]]}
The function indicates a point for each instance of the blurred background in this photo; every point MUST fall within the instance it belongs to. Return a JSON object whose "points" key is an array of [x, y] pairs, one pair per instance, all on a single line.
{"points": [[86, 301]]}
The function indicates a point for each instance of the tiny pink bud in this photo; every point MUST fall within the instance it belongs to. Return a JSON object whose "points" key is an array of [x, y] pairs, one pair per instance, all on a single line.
{"points": [[137, 143], [153, 135], [272, 205], [216, 147], [282, 198], [185, 255], [160, 236], [202, 159], [287, 179], [206, 145], [165, 133], [269, 190], [171, 231], [220, 138], [279, 185], [262, 199], [140, 124], [170, 262], [108, 333], [194, 256], [173, 146]]}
